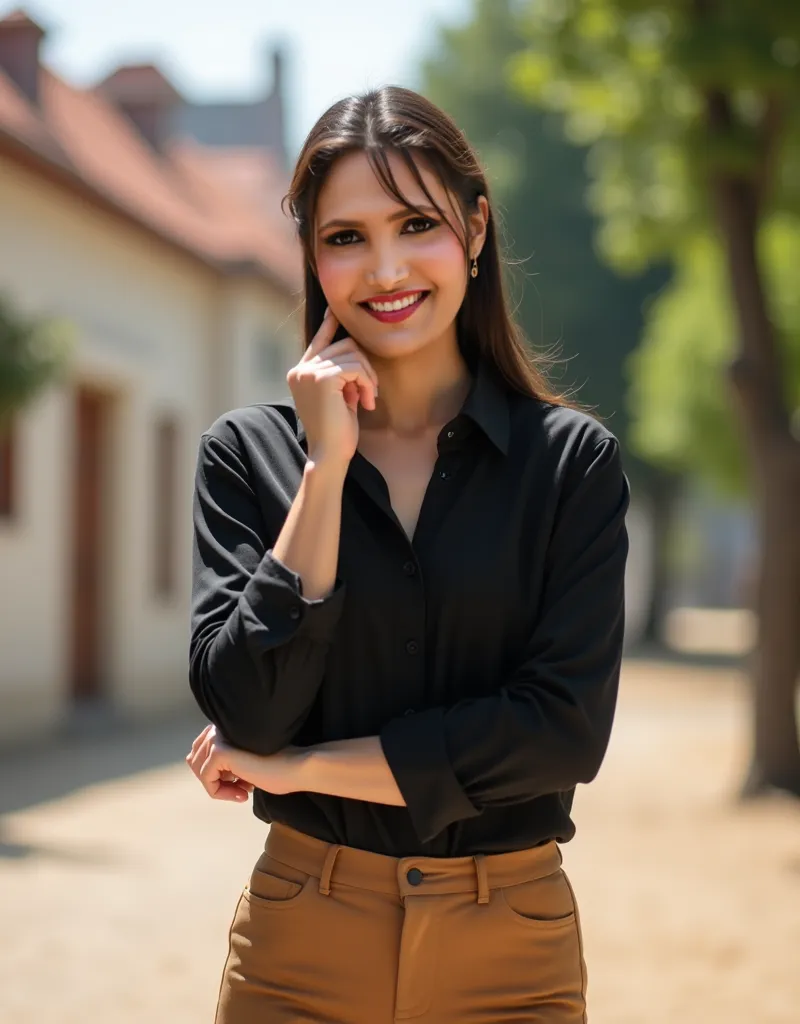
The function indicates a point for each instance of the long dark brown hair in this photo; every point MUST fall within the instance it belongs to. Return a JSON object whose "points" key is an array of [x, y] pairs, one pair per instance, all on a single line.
{"points": [[400, 121]]}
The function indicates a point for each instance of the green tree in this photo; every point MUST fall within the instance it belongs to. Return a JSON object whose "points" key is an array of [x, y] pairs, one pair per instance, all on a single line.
{"points": [[682, 417], [33, 353], [690, 109]]}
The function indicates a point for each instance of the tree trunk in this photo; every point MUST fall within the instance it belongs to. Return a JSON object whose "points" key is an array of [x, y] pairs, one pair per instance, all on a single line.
{"points": [[775, 461], [662, 495]]}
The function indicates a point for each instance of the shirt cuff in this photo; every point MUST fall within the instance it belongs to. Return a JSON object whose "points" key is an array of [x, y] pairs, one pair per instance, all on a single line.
{"points": [[414, 747], [274, 595]]}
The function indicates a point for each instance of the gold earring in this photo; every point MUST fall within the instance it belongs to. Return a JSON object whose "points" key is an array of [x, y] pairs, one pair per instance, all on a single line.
{"points": [[474, 271]]}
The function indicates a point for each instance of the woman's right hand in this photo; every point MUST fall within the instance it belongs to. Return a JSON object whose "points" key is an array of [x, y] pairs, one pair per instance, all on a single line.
{"points": [[327, 385]]}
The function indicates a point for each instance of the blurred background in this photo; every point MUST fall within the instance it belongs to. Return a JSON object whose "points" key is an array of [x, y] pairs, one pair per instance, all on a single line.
{"points": [[645, 161]]}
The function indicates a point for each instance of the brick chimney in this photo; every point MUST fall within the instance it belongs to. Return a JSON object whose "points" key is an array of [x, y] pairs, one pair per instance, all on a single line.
{"points": [[145, 96], [20, 40], [278, 61], [276, 103]]}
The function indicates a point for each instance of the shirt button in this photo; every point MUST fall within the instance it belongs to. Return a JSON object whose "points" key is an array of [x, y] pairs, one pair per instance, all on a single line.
{"points": [[409, 568], [414, 876], [444, 475], [412, 647], [294, 612], [451, 434]]}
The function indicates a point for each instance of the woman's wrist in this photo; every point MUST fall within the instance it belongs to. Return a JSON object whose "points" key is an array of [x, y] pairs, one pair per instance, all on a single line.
{"points": [[279, 773], [326, 468]]}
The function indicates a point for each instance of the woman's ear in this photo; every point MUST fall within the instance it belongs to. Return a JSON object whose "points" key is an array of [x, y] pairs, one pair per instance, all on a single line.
{"points": [[477, 223]]}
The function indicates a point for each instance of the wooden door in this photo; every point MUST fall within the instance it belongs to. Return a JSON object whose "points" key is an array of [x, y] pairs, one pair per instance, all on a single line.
{"points": [[88, 542]]}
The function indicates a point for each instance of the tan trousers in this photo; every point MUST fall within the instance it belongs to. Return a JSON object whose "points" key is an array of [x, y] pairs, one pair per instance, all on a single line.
{"points": [[334, 935]]}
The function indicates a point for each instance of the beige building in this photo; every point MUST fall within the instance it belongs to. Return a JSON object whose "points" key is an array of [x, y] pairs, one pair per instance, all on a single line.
{"points": [[180, 277]]}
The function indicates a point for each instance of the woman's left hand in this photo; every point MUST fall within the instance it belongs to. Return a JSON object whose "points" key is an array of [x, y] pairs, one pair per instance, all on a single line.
{"points": [[230, 774]]}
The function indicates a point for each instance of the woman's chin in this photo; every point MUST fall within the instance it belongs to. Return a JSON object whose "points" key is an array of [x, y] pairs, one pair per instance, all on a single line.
{"points": [[394, 345], [392, 341]]}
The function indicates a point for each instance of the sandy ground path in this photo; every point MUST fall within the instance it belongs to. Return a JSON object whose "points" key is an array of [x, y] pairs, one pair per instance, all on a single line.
{"points": [[118, 876]]}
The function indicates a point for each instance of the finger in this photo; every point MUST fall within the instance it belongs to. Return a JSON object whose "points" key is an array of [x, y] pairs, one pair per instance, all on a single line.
{"points": [[347, 346], [210, 774], [231, 787], [201, 755], [351, 395], [351, 372], [231, 791], [227, 776], [323, 337], [198, 741], [229, 779], [351, 361]]}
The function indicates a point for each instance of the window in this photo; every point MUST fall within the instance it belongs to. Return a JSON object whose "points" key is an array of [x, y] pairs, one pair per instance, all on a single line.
{"points": [[165, 548], [269, 359], [7, 470]]}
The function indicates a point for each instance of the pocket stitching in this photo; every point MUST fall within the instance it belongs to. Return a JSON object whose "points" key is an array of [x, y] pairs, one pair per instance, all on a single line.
{"points": [[254, 899], [537, 923]]}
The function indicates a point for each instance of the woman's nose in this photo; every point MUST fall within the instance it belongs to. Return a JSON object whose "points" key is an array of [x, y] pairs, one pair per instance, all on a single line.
{"points": [[387, 270]]}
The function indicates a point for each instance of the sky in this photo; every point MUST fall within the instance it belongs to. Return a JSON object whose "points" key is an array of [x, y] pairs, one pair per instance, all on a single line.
{"points": [[219, 49]]}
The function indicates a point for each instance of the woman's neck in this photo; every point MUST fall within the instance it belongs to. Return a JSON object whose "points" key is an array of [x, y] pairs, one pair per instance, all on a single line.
{"points": [[419, 392]]}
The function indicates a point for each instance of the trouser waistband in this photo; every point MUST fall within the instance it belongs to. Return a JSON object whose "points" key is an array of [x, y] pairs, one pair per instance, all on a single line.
{"points": [[409, 876]]}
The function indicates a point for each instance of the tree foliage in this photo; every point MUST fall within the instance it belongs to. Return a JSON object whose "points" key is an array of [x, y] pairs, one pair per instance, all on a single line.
{"points": [[630, 77], [683, 418], [635, 81], [33, 353]]}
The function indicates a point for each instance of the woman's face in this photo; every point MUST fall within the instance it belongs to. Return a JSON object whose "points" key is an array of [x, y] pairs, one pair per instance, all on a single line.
{"points": [[370, 249]]}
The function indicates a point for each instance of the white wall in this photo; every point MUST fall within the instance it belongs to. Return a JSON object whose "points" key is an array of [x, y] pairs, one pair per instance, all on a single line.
{"points": [[32, 577], [150, 325]]}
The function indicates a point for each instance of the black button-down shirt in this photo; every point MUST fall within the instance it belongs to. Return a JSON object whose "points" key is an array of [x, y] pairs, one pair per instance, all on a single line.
{"points": [[485, 653]]}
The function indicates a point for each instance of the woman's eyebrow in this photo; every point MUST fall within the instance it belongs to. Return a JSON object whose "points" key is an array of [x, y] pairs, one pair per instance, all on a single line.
{"points": [[339, 223]]}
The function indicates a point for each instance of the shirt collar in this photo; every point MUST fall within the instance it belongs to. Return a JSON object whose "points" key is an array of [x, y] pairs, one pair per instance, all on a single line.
{"points": [[487, 405]]}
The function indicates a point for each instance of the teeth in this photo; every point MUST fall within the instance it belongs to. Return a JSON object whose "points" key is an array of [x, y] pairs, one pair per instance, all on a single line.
{"points": [[389, 307]]}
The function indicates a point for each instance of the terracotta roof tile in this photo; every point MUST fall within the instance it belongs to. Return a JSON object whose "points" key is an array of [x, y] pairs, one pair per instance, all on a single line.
{"points": [[179, 195], [20, 19], [251, 225], [140, 81]]}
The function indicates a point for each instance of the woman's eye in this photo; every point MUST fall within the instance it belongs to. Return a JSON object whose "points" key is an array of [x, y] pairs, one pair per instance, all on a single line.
{"points": [[340, 238], [421, 224]]}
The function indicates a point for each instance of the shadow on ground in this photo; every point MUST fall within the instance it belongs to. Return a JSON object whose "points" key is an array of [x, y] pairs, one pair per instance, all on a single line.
{"points": [[87, 753], [652, 651]]}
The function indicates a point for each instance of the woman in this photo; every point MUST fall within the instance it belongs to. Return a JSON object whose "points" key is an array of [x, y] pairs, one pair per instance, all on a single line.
{"points": [[408, 612]]}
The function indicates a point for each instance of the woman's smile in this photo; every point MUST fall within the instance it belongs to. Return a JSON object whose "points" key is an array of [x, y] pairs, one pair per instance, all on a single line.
{"points": [[394, 308]]}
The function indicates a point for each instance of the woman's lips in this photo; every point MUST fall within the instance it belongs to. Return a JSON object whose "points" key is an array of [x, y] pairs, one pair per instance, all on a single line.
{"points": [[394, 316]]}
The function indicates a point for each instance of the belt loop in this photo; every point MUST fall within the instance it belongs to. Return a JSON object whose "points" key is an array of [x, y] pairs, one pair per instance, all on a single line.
{"points": [[327, 870], [483, 879]]}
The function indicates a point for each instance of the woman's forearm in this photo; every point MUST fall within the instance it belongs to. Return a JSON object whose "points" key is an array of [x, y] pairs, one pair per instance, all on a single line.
{"points": [[353, 769], [308, 544]]}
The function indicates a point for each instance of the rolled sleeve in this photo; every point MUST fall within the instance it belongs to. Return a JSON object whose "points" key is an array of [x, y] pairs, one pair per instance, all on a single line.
{"points": [[414, 748], [273, 602]]}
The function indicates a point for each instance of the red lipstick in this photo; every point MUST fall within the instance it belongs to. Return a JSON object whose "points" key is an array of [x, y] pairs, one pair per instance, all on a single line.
{"points": [[395, 315]]}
